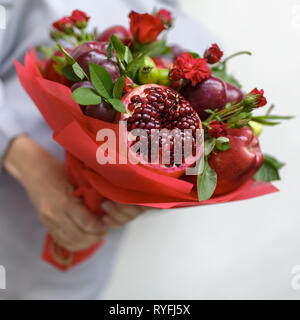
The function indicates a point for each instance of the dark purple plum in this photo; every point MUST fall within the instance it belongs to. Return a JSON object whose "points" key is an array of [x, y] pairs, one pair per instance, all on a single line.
{"points": [[89, 46], [234, 94], [177, 51], [209, 94], [100, 59], [121, 32], [102, 111]]}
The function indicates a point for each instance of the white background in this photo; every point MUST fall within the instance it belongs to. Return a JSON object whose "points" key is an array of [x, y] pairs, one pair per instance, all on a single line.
{"points": [[237, 250]]}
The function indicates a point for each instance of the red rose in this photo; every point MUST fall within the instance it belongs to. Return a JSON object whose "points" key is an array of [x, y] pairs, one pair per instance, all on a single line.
{"points": [[190, 68], [217, 129], [79, 18], [165, 16], [65, 25], [261, 100], [213, 54], [145, 27]]}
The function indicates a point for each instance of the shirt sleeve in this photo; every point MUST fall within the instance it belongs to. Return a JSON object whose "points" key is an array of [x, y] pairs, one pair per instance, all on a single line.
{"points": [[20, 34]]}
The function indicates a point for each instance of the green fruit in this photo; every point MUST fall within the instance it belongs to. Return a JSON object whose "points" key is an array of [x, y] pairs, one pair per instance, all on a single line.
{"points": [[163, 77], [148, 73], [256, 127]]}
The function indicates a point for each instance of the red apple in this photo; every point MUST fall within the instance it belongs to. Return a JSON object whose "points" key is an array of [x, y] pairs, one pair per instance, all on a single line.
{"points": [[238, 164]]}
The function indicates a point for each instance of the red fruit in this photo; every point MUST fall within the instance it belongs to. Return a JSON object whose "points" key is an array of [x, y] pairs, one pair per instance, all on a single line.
{"points": [[158, 107], [177, 51], [234, 94], [102, 111], [121, 32], [88, 46], [209, 94], [51, 74], [237, 165], [101, 60], [162, 62]]}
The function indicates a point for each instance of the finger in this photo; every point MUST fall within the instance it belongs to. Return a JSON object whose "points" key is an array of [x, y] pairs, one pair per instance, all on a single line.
{"points": [[71, 246], [130, 210], [113, 217], [67, 232], [118, 214], [84, 219]]}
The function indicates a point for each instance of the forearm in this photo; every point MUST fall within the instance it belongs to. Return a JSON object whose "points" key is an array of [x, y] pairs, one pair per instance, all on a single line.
{"points": [[26, 161]]}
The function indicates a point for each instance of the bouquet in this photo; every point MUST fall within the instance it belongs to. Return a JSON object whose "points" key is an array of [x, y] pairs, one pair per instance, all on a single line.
{"points": [[146, 123]]}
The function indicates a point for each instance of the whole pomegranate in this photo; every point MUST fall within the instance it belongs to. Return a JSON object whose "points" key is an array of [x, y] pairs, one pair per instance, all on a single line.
{"points": [[102, 111], [151, 107], [234, 94], [209, 94], [51, 74], [121, 32], [238, 164]]}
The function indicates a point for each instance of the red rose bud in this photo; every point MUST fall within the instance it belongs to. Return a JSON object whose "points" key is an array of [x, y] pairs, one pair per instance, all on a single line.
{"points": [[213, 54], [190, 68], [64, 25], [217, 129], [166, 17], [145, 27], [80, 19], [260, 100], [128, 85]]}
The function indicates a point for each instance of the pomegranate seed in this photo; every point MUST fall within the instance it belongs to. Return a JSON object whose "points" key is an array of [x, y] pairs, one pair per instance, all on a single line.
{"points": [[136, 99]]}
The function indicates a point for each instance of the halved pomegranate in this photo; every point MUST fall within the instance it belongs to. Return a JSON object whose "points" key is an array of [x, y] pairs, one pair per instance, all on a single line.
{"points": [[169, 124]]}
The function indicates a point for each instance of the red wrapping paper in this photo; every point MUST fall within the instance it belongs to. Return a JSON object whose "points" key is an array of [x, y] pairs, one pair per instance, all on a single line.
{"points": [[128, 184]]}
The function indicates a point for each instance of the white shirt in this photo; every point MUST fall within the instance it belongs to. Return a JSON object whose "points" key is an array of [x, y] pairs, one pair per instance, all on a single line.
{"points": [[21, 232]]}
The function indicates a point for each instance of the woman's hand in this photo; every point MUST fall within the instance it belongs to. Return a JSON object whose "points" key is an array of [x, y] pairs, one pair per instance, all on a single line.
{"points": [[69, 222], [118, 214], [67, 219]]}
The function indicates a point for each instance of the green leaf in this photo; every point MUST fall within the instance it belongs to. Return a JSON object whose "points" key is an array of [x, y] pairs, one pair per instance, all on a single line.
{"points": [[127, 55], [118, 88], [222, 73], [70, 74], [69, 58], [47, 52], [86, 96], [207, 182], [101, 80], [78, 71], [134, 66], [117, 104], [222, 140], [269, 170], [110, 50], [194, 54], [223, 146], [265, 122], [153, 49], [209, 146]]}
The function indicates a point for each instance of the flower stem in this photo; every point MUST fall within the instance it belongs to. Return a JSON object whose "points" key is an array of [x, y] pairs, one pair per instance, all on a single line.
{"points": [[235, 55]]}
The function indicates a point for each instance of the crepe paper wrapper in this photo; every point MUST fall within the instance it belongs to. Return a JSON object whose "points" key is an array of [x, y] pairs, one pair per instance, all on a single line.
{"points": [[128, 184]]}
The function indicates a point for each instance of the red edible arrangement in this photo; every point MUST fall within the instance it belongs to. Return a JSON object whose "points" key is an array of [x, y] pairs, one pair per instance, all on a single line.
{"points": [[124, 80]]}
